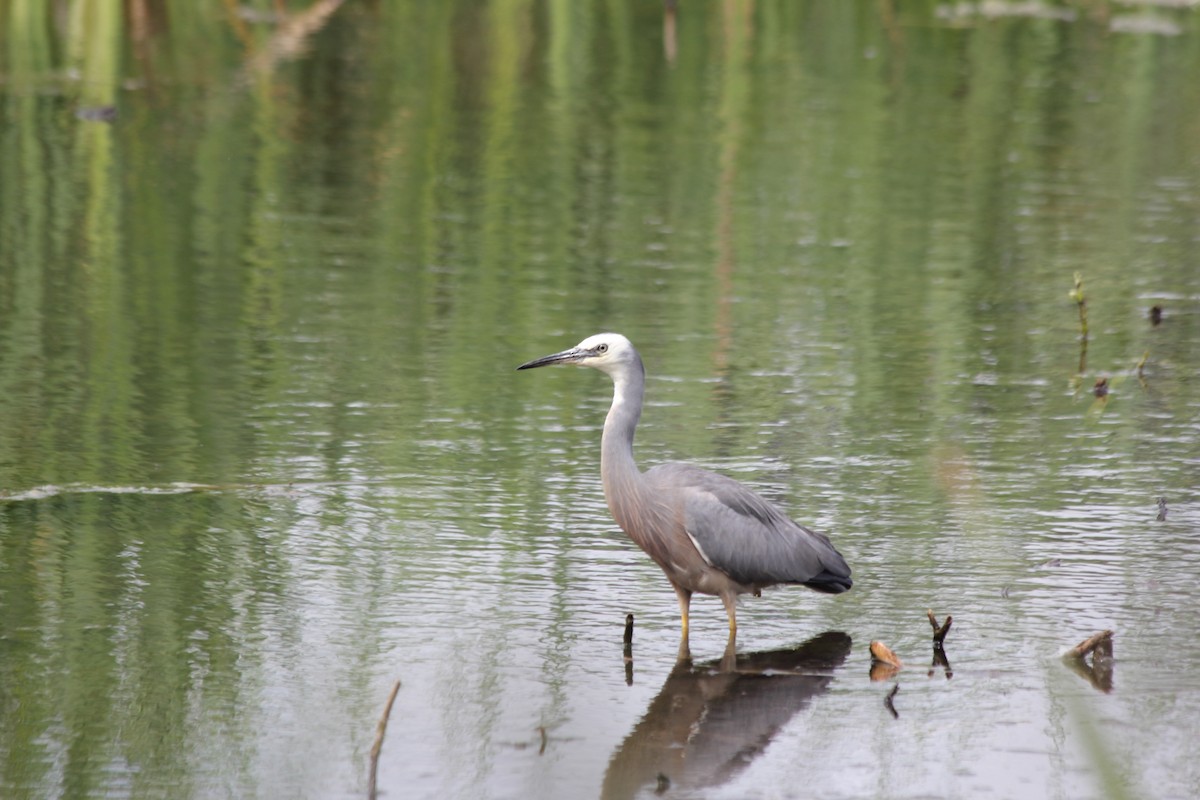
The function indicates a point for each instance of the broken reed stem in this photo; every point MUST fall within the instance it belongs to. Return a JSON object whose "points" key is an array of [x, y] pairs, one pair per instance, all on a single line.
{"points": [[939, 631], [1099, 644], [1081, 301], [628, 629], [380, 730]]}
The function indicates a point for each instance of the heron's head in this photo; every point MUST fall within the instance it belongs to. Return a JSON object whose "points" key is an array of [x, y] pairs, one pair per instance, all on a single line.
{"points": [[607, 352]]}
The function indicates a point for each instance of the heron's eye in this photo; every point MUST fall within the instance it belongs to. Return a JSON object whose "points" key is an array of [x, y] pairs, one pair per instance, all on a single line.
{"points": [[601, 348]]}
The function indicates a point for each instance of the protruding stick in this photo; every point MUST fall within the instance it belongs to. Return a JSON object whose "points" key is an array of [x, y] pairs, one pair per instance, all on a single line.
{"points": [[1099, 644], [380, 730], [939, 631], [628, 650], [1077, 295]]}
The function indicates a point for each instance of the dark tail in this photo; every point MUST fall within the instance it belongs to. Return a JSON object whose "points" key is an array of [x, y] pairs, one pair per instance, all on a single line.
{"points": [[828, 582]]}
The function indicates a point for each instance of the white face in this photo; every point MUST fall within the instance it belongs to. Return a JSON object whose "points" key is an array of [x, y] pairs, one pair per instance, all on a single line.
{"points": [[607, 352], [604, 349]]}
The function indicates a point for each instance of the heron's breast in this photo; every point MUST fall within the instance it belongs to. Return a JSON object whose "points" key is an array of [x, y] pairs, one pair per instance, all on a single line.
{"points": [[651, 525]]}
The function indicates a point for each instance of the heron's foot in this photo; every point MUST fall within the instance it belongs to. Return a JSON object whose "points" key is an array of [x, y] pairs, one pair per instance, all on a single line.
{"points": [[685, 652]]}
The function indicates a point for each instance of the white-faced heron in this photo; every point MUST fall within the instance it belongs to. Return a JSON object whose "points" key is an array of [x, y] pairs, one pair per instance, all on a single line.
{"points": [[709, 533]]}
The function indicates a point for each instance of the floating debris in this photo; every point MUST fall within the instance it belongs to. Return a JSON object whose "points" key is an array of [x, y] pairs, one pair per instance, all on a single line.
{"points": [[884, 663], [882, 653], [1156, 313]]}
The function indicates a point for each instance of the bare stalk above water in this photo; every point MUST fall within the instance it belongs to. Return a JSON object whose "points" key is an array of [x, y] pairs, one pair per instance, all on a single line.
{"points": [[380, 730], [939, 631], [1077, 295]]}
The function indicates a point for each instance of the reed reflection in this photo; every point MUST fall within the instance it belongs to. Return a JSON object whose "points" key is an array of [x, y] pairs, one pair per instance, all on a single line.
{"points": [[710, 720]]}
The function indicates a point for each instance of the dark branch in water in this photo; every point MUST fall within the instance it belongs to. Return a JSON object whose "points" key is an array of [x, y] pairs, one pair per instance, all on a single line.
{"points": [[1100, 672], [1099, 644], [939, 631], [939, 638], [629, 649]]}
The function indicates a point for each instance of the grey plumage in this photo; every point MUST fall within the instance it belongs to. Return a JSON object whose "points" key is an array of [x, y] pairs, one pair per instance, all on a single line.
{"points": [[708, 533]]}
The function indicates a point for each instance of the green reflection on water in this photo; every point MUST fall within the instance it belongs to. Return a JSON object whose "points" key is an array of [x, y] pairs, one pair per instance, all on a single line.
{"points": [[841, 233]]}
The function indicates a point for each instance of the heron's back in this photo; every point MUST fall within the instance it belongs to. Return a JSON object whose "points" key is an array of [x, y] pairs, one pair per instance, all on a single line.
{"points": [[743, 534]]}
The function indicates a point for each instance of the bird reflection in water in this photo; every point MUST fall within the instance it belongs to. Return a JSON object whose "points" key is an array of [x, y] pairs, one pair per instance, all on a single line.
{"points": [[710, 720]]}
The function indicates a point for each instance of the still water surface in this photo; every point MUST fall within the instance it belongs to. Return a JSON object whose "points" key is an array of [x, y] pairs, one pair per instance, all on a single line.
{"points": [[263, 448]]}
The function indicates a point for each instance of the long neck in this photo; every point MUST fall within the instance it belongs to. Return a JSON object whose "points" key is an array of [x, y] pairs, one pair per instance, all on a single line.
{"points": [[617, 468]]}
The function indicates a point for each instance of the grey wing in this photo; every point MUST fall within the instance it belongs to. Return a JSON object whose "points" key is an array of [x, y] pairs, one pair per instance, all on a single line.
{"points": [[747, 537]]}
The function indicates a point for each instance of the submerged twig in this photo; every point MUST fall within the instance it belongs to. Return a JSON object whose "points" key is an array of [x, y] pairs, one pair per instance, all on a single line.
{"points": [[377, 747]]}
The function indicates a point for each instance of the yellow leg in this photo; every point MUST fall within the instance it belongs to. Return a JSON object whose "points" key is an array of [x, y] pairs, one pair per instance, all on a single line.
{"points": [[685, 600], [730, 601]]}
